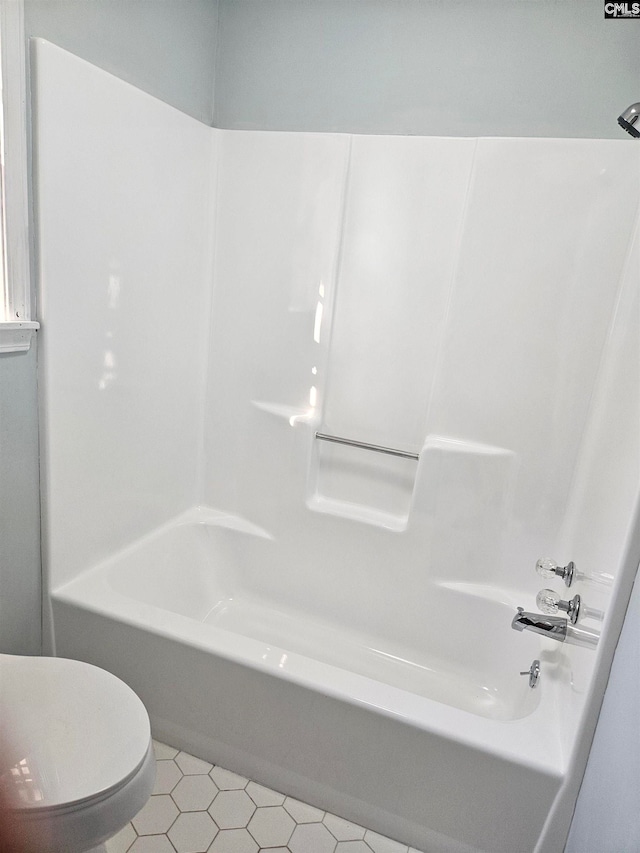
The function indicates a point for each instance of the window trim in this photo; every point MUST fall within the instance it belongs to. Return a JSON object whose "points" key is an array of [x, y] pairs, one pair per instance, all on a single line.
{"points": [[17, 325]]}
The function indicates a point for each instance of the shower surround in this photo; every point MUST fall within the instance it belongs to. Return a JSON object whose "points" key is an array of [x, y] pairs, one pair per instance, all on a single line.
{"points": [[336, 621]]}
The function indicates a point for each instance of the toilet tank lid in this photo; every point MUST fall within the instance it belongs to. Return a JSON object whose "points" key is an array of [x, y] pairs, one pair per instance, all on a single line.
{"points": [[71, 732]]}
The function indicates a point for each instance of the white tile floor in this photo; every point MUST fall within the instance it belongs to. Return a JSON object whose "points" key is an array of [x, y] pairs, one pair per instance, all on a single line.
{"points": [[197, 807]]}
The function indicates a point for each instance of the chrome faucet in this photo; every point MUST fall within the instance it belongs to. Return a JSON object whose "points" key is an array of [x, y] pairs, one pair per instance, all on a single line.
{"points": [[555, 627], [548, 626]]}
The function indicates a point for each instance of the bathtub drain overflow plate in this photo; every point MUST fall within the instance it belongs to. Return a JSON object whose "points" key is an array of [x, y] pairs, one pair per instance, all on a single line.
{"points": [[533, 672]]}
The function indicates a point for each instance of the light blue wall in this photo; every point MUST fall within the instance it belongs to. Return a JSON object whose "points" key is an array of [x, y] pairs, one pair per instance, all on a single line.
{"points": [[19, 505], [164, 47], [432, 67]]}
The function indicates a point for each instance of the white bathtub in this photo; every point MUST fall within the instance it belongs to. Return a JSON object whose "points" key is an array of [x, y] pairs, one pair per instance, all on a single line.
{"points": [[423, 733]]}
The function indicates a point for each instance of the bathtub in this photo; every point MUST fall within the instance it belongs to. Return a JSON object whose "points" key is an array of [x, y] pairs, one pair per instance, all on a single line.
{"points": [[424, 734]]}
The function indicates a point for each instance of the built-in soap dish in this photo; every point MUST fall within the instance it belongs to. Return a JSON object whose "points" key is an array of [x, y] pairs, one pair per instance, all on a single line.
{"points": [[349, 480], [358, 512]]}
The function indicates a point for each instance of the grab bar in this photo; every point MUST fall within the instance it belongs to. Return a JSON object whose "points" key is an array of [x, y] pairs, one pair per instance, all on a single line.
{"points": [[363, 444]]}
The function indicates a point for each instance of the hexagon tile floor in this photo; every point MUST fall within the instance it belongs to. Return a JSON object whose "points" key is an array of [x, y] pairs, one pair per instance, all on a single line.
{"points": [[197, 807]]}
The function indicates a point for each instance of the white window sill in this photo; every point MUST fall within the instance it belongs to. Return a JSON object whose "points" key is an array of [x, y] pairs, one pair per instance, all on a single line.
{"points": [[16, 336]]}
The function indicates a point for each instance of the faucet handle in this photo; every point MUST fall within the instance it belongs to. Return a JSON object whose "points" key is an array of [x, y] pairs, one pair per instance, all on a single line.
{"points": [[548, 568], [550, 603], [547, 601]]}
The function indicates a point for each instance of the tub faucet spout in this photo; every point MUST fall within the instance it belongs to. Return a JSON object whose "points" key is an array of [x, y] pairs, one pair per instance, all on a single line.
{"points": [[548, 626]]}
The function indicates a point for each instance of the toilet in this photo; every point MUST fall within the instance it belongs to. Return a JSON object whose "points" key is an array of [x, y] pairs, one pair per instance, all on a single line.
{"points": [[76, 757]]}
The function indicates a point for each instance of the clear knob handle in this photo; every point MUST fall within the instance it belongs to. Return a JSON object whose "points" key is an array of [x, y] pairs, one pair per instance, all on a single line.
{"points": [[547, 601], [548, 568], [550, 603]]}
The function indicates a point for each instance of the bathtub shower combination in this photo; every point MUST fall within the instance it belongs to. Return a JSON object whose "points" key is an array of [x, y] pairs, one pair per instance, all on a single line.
{"points": [[335, 621]]}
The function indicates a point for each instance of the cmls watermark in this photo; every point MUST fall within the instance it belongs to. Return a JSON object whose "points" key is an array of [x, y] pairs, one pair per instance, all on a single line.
{"points": [[622, 10]]}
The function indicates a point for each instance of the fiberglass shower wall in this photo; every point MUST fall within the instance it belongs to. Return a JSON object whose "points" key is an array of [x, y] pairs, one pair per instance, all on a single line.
{"points": [[124, 231], [212, 298], [449, 297]]}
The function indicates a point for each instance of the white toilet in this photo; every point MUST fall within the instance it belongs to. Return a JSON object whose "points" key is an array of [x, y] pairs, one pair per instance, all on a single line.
{"points": [[76, 758]]}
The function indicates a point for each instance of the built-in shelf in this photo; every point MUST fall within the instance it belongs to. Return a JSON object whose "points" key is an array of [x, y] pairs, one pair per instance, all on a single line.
{"points": [[293, 414], [357, 512]]}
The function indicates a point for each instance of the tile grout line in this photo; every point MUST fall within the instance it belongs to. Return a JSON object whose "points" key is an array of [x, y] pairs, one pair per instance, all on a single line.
{"points": [[262, 800]]}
